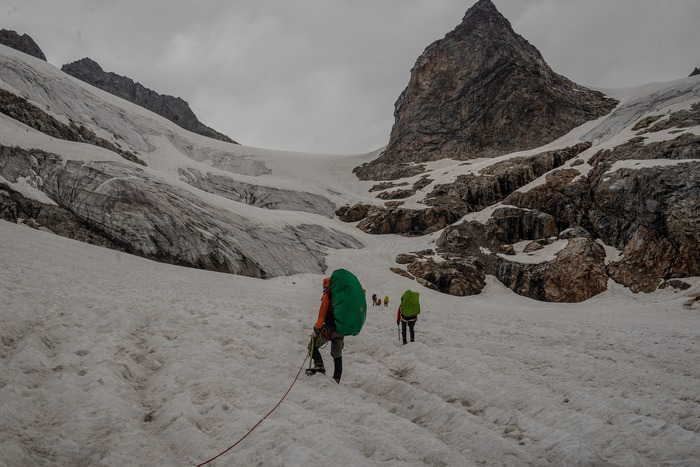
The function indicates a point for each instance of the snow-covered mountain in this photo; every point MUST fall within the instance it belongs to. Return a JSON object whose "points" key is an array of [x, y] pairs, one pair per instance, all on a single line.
{"points": [[112, 359], [192, 201]]}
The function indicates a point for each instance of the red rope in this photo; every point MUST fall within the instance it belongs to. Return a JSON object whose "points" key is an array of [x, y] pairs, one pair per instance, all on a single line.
{"points": [[261, 420]]}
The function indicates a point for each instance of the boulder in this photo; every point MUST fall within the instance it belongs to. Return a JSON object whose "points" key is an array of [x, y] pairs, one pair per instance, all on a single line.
{"points": [[460, 278], [577, 274], [353, 213]]}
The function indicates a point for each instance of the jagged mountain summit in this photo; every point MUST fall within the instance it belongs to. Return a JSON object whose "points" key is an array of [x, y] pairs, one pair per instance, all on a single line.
{"points": [[481, 91], [23, 43], [174, 109]]}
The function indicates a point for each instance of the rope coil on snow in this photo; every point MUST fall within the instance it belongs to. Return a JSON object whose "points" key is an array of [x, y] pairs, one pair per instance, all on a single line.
{"points": [[261, 420]]}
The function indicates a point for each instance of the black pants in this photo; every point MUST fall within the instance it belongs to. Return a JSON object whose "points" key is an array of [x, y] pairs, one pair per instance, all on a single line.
{"points": [[411, 322]]}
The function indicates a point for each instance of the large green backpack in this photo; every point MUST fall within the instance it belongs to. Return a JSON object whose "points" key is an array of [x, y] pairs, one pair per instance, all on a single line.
{"points": [[410, 306], [349, 303]]}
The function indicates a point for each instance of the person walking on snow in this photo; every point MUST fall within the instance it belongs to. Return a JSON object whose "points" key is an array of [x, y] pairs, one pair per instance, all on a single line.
{"points": [[407, 314], [324, 331]]}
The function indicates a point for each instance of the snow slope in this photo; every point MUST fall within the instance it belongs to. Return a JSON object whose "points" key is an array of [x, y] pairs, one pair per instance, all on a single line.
{"points": [[109, 359]]}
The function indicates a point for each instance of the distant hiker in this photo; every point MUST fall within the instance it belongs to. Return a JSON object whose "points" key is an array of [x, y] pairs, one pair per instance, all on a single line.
{"points": [[408, 312], [374, 299], [379, 302], [386, 300], [342, 313]]}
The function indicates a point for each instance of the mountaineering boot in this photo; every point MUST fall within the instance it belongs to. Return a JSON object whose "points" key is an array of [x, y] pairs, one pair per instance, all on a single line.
{"points": [[338, 369], [317, 368]]}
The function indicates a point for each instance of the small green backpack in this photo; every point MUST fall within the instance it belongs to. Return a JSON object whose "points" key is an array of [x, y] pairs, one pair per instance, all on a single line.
{"points": [[349, 303], [410, 306]]}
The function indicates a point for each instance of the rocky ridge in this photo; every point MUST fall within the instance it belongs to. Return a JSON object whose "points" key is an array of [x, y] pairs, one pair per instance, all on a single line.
{"points": [[23, 43], [174, 109]]}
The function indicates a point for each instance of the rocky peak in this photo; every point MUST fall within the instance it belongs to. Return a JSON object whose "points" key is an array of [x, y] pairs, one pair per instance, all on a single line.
{"points": [[695, 72], [174, 109], [481, 91], [23, 43]]}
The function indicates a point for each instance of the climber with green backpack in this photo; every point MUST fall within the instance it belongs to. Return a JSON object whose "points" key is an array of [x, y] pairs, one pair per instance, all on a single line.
{"points": [[342, 313], [408, 312]]}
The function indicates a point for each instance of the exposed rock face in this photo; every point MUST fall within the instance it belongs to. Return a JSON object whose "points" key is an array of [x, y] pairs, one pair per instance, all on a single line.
{"points": [[680, 119], [352, 213], [23, 43], [512, 225], [140, 214], [173, 108], [406, 221], [21, 110], [481, 91], [695, 72], [650, 213], [460, 278], [577, 274], [470, 193]]}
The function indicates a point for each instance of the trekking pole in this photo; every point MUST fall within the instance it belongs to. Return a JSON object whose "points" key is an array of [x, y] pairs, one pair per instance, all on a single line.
{"points": [[398, 331]]}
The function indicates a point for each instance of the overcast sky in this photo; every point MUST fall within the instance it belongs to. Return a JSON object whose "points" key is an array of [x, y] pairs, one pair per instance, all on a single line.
{"points": [[323, 75]]}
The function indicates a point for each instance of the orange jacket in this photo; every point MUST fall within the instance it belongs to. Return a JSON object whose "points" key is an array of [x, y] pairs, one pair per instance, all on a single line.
{"points": [[323, 310]]}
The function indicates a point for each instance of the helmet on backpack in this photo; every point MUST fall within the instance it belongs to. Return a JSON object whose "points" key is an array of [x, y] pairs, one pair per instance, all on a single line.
{"points": [[326, 282]]}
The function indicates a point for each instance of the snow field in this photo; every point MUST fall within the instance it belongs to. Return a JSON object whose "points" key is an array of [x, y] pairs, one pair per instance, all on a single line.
{"points": [[108, 359]]}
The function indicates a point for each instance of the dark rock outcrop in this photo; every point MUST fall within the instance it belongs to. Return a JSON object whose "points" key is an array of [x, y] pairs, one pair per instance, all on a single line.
{"points": [[577, 274], [471, 192], [352, 213], [460, 278], [650, 212], [695, 72], [680, 119], [23, 43], [512, 225], [481, 91], [173, 108], [407, 222], [21, 110]]}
